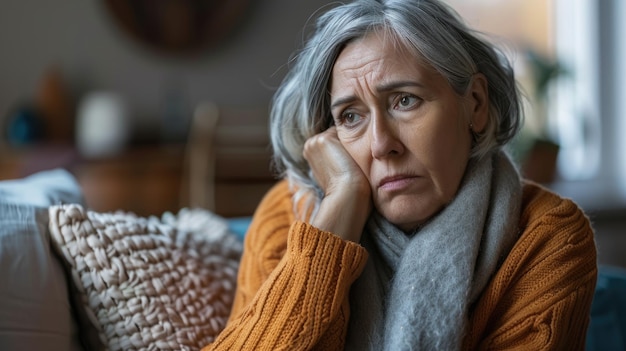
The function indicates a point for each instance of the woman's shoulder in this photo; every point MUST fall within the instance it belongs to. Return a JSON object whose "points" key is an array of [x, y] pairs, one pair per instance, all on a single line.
{"points": [[547, 279], [279, 192], [270, 224], [550, 222], [555, 253], [541, 205], [276, 206]]}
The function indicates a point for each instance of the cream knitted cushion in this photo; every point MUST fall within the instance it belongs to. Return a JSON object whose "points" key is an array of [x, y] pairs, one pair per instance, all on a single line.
{"points": [[149, 283]]}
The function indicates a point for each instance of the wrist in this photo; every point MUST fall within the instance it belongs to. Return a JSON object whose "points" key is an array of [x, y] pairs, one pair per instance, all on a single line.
{"points": [[344, 213]]}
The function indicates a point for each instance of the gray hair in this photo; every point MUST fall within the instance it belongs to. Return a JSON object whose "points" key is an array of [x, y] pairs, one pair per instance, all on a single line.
{"points": [[430, 29]]}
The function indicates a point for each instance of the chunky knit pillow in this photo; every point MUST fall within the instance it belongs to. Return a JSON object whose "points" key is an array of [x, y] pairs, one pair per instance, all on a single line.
{"points": [[149, 283]]}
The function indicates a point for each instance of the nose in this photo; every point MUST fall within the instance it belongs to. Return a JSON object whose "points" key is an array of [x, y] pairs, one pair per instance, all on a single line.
{"points": [[384, 136]]}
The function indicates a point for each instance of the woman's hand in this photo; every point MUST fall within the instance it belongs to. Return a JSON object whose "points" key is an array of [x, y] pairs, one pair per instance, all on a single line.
{"points": [[347, 198]]}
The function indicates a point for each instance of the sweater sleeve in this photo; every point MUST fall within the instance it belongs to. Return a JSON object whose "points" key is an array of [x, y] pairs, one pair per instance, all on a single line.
{"points": [[293, 282], [540, 299]]}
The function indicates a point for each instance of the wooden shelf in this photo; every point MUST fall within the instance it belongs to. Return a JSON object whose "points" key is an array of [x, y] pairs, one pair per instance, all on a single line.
{"points": [[146, 181], [149, 180]]}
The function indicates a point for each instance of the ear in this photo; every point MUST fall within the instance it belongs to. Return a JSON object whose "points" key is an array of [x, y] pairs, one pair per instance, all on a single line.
{"points": [[478, 96]]}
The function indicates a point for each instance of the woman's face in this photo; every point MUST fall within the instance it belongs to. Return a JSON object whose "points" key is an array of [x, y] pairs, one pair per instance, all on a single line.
{"points": [[405, 127]]}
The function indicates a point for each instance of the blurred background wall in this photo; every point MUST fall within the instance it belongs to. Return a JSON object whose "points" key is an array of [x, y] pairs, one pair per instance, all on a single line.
{"points": [[81, 40]]}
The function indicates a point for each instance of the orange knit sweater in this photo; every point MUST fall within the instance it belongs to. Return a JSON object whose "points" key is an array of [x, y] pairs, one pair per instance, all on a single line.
{"points": [[294, 279]]}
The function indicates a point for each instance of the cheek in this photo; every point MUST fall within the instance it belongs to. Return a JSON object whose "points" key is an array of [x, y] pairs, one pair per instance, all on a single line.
{"points": [[453, 164], [444, 152], [458, 151]]}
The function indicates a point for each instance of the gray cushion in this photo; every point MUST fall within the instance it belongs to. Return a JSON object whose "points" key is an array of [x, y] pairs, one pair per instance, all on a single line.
{"points": [[42, 189], [35, 312]]}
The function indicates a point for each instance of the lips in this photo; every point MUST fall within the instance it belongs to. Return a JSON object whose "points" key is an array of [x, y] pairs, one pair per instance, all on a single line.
{"points": [[396, 182]]}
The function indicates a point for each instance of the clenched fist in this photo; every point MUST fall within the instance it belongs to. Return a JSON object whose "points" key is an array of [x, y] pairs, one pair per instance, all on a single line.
{"points": [[347, 196]]}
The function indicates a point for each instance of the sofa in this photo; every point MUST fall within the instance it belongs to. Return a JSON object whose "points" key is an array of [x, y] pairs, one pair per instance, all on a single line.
{"points": [[74, 279]]}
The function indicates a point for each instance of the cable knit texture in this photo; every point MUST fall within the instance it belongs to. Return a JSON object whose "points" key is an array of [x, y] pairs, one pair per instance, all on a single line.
{"points": [[294, 279], [148, 283]]}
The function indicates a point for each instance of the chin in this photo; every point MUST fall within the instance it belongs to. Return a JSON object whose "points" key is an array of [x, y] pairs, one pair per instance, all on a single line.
{"points": [[407, 221], [408, 215]]}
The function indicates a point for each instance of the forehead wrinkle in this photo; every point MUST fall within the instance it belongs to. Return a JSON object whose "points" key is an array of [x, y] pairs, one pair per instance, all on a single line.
{"points": [[364, 65], [357, 78]]}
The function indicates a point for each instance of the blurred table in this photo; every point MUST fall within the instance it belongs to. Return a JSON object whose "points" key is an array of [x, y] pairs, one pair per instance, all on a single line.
{"points": [[145, 180], [149, 179]]}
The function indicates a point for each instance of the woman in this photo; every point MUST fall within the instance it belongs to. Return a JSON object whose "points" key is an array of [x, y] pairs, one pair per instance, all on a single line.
{"points": [[401, 224]]}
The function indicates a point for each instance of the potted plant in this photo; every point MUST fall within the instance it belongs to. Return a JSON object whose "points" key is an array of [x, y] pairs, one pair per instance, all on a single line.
{"points": [[535, 148]]}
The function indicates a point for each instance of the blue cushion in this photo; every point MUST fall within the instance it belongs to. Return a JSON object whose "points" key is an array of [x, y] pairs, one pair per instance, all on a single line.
{"points": [[239, 225], [35, 310], [42, 189], [607, 329]]}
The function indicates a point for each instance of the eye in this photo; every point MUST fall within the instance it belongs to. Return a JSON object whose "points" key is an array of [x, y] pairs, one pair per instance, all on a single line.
{"points": [[348, 118], [406, 102]]}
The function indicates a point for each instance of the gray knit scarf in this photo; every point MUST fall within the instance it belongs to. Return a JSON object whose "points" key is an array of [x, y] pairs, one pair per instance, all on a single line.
{"points": [[415, 290]]}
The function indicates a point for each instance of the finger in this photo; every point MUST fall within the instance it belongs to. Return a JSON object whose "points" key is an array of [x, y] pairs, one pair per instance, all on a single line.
{"points": [[315, 143]]}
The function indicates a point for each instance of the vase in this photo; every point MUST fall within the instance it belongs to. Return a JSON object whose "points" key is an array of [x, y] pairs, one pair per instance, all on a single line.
{"points": [[103, 126]]}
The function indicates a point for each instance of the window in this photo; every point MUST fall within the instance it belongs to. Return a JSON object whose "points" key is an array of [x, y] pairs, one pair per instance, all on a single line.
{"points": [[581, 102], [524, 29], [577, 108]]}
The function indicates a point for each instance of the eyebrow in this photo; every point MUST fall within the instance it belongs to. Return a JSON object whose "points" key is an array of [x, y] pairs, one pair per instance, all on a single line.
{"points": [[381, 88]]}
